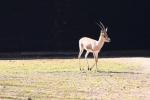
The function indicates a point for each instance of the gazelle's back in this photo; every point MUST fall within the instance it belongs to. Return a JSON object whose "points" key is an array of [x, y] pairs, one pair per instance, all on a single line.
{"points": [[86, 43], [86, 39]]}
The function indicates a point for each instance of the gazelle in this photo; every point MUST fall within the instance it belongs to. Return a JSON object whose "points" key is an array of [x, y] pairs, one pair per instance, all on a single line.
{"points": [[93, 46]]}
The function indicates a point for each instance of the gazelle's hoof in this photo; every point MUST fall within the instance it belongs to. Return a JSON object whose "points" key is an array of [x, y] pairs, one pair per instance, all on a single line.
{"points": [[81, 69], [90, 69]]}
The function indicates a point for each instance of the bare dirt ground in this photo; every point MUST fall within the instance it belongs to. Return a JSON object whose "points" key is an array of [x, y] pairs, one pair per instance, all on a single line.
{"points": [[31, 79], [142, 61]]}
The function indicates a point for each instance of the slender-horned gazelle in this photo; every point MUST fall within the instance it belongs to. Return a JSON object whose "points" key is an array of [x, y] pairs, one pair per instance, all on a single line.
{"points": [[93, 46]]}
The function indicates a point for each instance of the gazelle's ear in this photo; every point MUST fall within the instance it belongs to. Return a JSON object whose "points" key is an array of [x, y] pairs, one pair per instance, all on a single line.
{"points": [[106, 29]]}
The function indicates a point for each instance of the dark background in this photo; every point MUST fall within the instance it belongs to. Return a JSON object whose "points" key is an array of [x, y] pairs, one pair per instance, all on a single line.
{"points": [[57, 25]]}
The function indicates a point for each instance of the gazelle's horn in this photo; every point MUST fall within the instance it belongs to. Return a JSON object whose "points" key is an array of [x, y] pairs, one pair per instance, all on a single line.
{"points": [[105, 29], [100, 26]]}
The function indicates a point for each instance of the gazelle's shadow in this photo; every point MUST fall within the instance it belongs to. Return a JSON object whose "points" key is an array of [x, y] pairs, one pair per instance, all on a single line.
{"points": [[115, 72]]}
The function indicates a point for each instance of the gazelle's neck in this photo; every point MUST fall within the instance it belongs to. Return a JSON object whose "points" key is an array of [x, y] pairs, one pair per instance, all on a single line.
{"points": [[100, 42]]}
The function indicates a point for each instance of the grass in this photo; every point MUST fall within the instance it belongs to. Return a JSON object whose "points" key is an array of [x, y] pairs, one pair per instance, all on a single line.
{"points": [[60, 79], [58, 65]]}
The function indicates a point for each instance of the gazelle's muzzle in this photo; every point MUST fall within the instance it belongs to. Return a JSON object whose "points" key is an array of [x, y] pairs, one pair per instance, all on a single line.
{"points": [[108, 40]]}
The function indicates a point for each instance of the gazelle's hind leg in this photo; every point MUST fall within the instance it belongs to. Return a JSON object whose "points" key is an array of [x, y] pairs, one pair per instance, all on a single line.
{"points": [[79, 56], [80, 53], [87, 53]]}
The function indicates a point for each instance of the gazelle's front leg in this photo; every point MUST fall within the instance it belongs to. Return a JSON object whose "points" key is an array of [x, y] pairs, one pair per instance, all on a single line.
{"points": [[96, 60], [95, 54]]}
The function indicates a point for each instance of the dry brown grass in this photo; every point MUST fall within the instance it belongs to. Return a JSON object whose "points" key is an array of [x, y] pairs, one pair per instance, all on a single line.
{"points": [[60, 79]]}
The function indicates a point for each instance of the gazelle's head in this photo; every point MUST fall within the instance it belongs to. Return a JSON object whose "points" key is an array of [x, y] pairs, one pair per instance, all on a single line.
{"points": [[103, 33]]}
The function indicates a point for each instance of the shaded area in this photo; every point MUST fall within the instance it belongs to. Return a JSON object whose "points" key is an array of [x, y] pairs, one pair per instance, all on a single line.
{"points": [[68, 55], [57, 25]]}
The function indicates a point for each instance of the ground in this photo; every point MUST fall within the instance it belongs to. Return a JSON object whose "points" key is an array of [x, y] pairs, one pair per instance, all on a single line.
{"points": [[61, 79]]}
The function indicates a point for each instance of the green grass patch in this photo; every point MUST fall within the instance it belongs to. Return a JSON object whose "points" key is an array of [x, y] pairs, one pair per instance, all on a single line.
{"points": [[60, 65]]}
